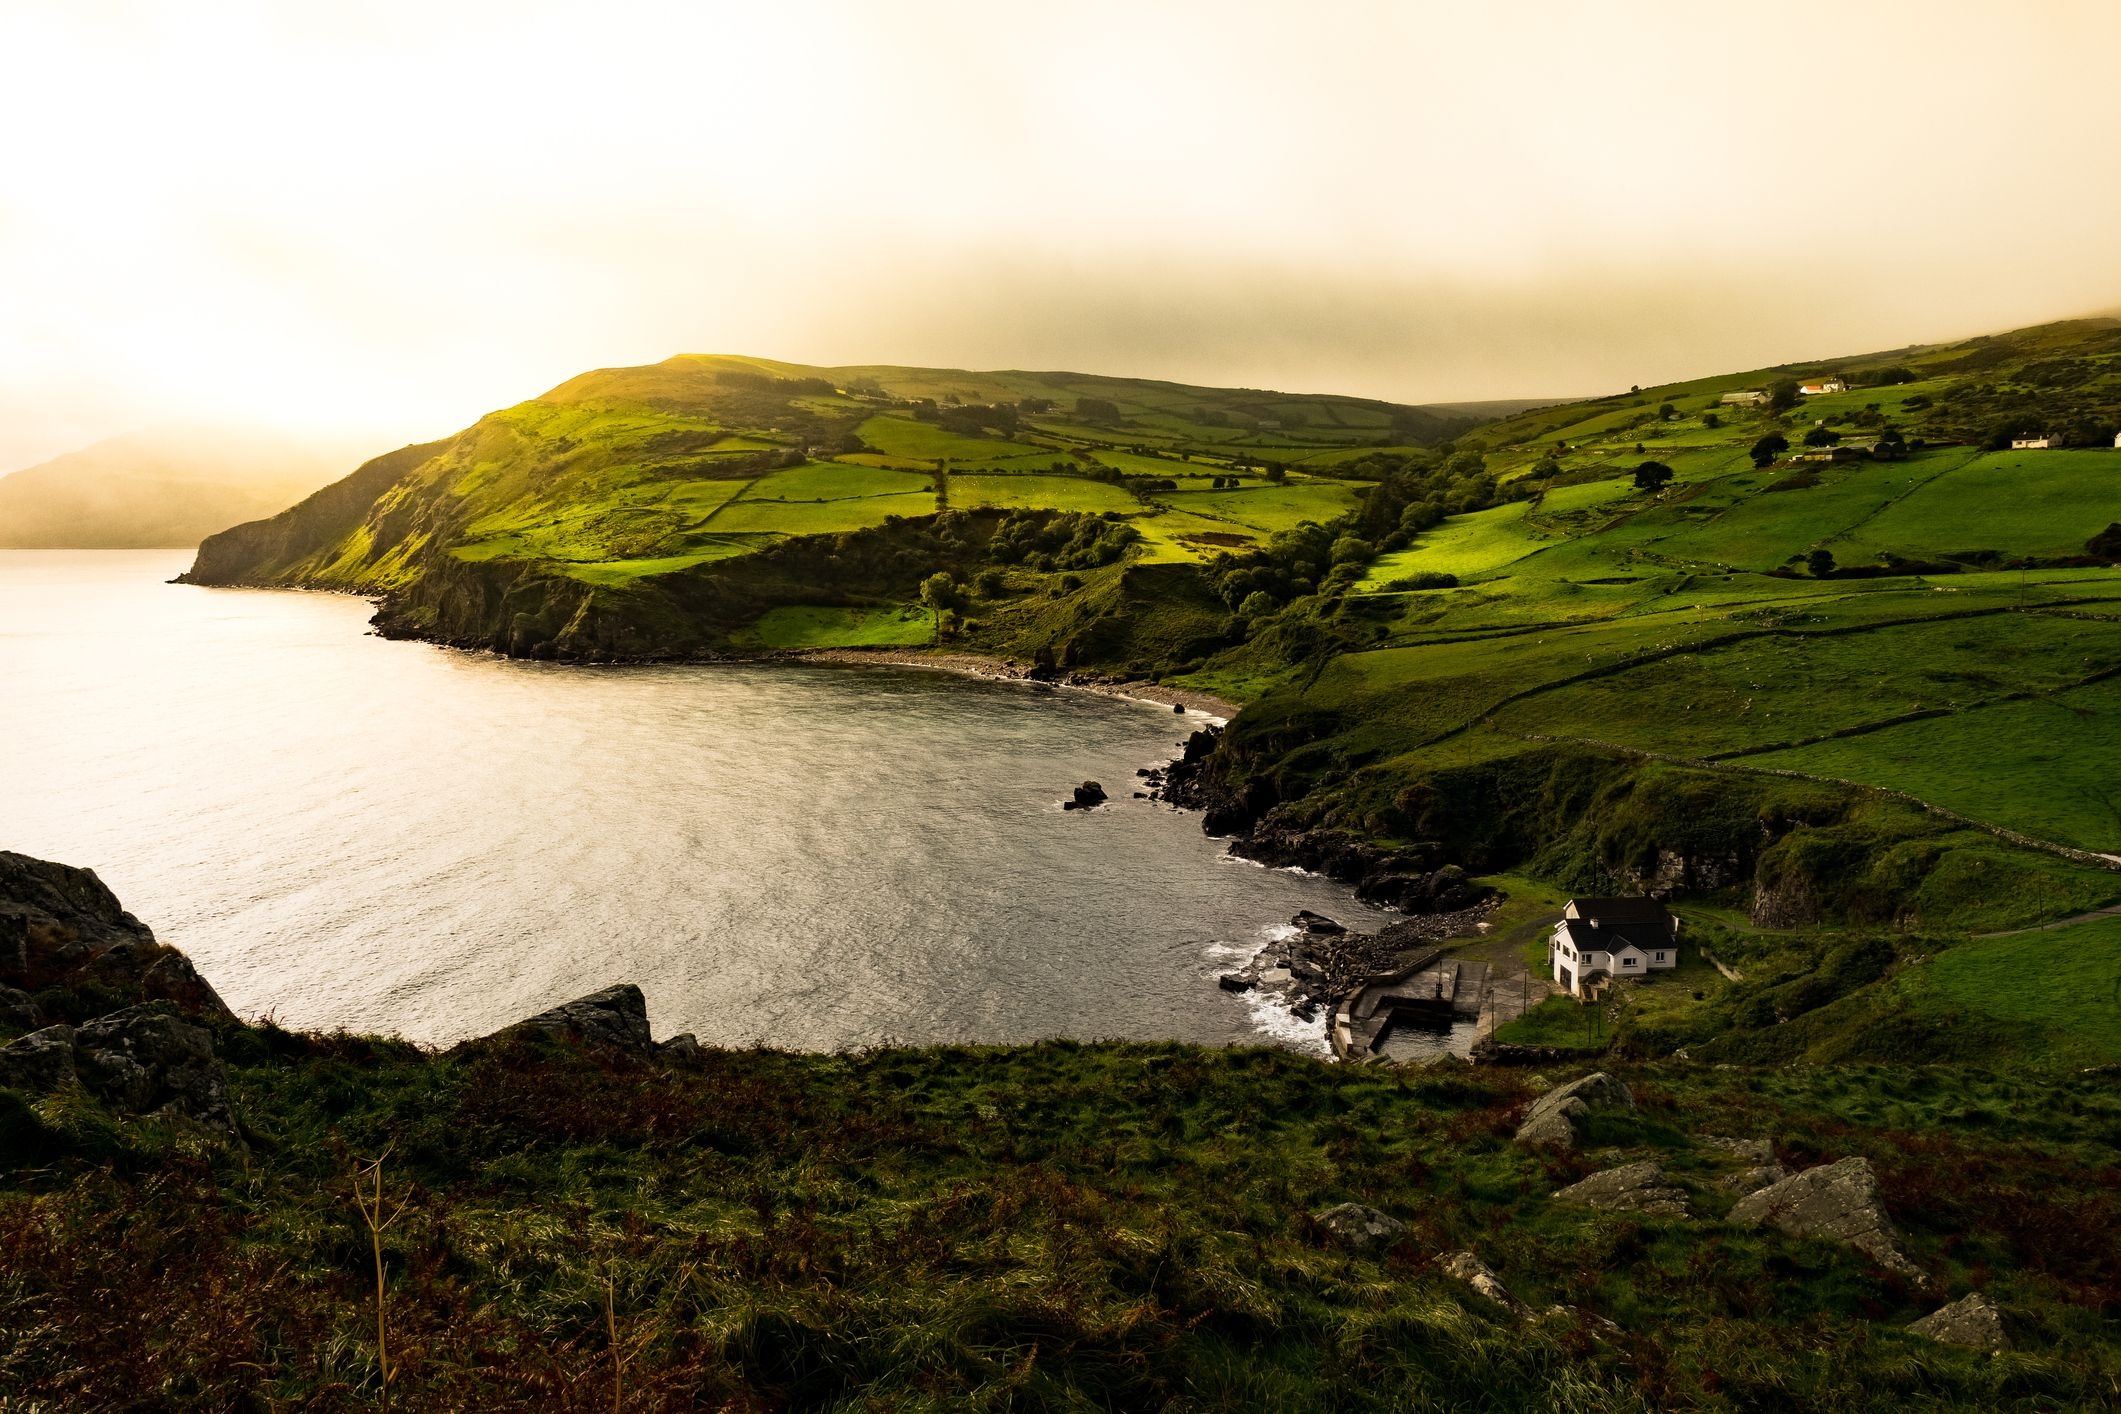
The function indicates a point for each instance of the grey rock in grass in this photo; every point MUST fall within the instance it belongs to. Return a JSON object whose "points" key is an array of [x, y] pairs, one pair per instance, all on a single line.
{"points": [[147, 1060], [40, 1062], [1481, 1277], [683, 1048], [1361, 1227], [616, 1016], [1551, 1122], [1838, 1201], [1633, 1188], [1971, 1320]]}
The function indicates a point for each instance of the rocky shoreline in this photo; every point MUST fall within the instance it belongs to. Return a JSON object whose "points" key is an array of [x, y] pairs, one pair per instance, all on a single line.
{"points": [[976, 665], [1322, 962]]}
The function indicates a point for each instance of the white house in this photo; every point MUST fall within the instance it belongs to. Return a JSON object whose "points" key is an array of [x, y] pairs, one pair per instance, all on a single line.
{"points": [[2040, 443], [2117, 439], [1600, 938], [1752, 397], [1824, 385]]}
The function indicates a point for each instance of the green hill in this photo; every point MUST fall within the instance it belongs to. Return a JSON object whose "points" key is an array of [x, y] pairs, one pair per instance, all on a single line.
{"points": [[1865, 677]]}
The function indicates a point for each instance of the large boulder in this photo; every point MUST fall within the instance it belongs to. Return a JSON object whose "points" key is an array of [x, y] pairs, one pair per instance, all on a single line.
{"points": [[1361, 1227], [60, 926], [1088, 796], [147, 1060], [1971, 1320], [1837, 1201], [1551, 1122], [616, 1017], [1631, 1188]]}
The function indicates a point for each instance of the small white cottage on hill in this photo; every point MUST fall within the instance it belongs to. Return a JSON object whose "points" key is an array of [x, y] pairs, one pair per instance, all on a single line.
{"points": [[1611, 937]]}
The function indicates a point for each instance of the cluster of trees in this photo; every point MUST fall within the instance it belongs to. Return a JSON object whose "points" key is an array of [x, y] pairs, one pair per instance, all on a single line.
{"points": [[1097, 410], [972, 419], [1417, 490], [1259, 582], [767, 383], [1064, 540]]}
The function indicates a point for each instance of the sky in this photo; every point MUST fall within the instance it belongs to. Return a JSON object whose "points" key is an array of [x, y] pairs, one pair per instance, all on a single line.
{"points": [[374, 222]]}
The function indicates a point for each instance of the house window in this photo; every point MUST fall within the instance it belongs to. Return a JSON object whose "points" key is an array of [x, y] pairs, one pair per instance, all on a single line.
{"points": [[1660, 957], [1627, 962]]}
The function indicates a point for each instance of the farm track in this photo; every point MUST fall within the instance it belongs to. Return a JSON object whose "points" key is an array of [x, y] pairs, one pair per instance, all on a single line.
{"points": [[2110, 862], [1723, 640]]}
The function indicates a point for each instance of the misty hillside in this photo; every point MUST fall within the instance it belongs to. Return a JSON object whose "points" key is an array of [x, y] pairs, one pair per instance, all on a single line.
{"points": [[156, 490]]}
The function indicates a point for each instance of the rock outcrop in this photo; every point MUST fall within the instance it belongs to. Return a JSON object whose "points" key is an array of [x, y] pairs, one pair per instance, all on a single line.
{"points": [[1551, 1123], [615, 1017], [1971, 1320], [143, 1060], [1837, 1201], [61, 926], [1088, 796], [1632, 1188], [1361, 1227]]}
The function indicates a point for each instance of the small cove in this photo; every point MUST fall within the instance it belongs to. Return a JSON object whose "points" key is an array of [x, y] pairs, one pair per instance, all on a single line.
{"points": [[345, 831]]}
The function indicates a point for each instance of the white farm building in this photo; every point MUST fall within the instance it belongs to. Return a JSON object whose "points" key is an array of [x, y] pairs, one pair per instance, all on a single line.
{"points": [[1824, 385], [1601, 938], [2035, 444]]}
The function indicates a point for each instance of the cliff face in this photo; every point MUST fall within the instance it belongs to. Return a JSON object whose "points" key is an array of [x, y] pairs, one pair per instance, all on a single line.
{"points": [[297, 546], [64, 935]]}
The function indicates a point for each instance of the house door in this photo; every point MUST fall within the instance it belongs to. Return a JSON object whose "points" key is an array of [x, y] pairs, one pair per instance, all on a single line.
{"points": [[1568, 980]]}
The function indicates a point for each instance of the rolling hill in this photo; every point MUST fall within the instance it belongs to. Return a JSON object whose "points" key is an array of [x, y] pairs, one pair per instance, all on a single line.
{"points": [[1825, 682], [155, 490]]}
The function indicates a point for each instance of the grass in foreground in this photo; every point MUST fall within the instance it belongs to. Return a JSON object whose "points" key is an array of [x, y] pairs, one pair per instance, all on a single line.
{"points": [[1057, 1226]]}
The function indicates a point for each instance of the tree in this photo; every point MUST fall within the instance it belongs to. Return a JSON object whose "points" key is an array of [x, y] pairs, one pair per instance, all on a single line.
{"points": [[1258, 604], [1348, 550], [1666, 412], [1768, 448], [1277, 473], [1822, 437], [1710, 419], [1782, 394], [1892, 446], [1652, 476], [940, 592], [1820, 563]]}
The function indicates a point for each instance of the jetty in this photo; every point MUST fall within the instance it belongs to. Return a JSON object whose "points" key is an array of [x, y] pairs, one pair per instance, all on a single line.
{"points": [[1430, 991]]}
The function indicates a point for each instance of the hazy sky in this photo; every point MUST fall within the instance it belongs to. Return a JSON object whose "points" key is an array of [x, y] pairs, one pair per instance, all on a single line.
{"points": [[387, 218]]}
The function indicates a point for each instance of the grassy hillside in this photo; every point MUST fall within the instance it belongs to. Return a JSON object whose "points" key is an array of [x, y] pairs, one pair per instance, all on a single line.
{"points": [[1816, 682], [640, 472], [155, 490], [1845, 688], [1057, 1226]]}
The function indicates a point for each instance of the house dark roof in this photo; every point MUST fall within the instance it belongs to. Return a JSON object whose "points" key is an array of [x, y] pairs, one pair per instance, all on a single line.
{"points": [[1620, 910]]}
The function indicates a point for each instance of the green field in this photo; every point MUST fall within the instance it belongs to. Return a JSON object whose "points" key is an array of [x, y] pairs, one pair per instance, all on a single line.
{"points": [[2050, 766], [2060, 987], [924, 441], [1267, 507], [819, 517], [815, 626], [1031, 492]]}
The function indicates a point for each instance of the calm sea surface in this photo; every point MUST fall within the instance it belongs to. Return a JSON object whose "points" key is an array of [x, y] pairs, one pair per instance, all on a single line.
{"points": [[343, 831]]}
